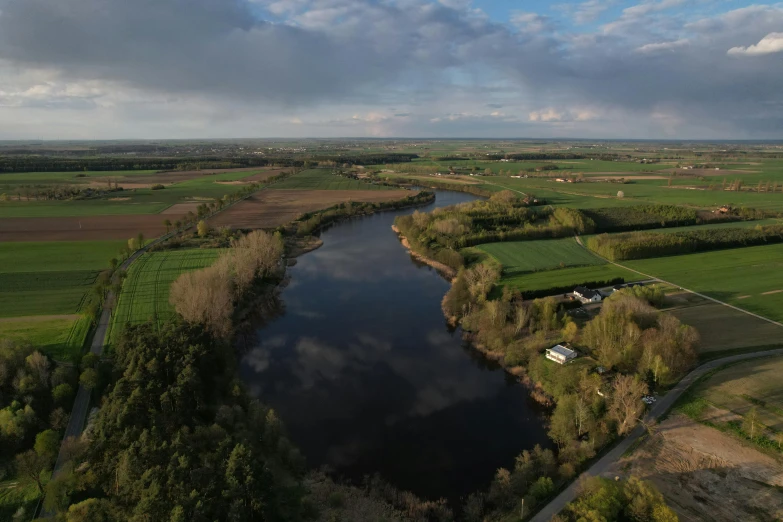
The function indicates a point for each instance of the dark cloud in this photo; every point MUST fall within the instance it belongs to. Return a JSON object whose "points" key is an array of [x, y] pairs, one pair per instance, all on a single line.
{"points": [[649, 63]]}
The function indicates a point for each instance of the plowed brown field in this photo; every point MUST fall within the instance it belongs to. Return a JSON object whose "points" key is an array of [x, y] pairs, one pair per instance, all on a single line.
{"points": [[271, 208], [84, 228]]}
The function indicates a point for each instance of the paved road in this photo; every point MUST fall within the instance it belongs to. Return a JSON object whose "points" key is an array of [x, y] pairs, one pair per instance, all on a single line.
{"points": [[81, 405], [663, 405]]}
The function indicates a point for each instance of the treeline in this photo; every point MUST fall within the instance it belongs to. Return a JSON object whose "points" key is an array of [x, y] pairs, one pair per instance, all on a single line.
{"points": [[537, 156], [177, 438], [366, 159], [503, 217], [311, 222], [621, 219], [641, 245], [209, 296], [476, 190]]}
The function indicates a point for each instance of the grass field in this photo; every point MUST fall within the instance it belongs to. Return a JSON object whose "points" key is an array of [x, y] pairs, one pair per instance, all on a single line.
{"points": [[742, 386], [750, 278], [566, 277], [519, 257], [145, 292], [56, 256], [26, 209], [62, 337], [323, 179]]}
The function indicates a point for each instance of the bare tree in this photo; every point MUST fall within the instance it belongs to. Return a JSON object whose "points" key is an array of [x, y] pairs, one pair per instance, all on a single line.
{"points": [[625, 403]]}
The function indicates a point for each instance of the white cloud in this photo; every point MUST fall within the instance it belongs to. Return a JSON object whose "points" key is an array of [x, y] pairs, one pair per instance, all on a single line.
{"points": [[772, 43], [586, 12], [663, 46]]}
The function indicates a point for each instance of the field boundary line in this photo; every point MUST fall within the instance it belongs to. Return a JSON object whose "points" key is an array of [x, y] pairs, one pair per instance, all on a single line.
{"points": [[767, 319]]}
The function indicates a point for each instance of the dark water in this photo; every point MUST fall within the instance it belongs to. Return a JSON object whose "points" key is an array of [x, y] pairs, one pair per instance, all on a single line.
{"points": [[367, 376]]}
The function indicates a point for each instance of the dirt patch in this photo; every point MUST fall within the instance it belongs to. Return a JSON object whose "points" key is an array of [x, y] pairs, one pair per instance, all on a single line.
{"points": [[706, 475], [744, 296], [180, 209], [119, 199], [724, 328], [84, 228], [771, 292], [272, 208], [38, 318]]}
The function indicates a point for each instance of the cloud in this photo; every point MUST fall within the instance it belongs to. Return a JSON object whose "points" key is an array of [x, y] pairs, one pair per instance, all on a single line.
{"points": [[191, 68], [663, 46], [586, 12], [772, 43]]}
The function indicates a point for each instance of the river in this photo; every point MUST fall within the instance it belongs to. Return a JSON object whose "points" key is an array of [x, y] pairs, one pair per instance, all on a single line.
{"points": [[368, 378]]}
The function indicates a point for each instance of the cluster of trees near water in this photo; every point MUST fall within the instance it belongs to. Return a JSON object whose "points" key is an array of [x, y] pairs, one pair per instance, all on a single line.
{"points": [[640, 348], [310, 222], [641, 245], [209, 296], [503, 217]]}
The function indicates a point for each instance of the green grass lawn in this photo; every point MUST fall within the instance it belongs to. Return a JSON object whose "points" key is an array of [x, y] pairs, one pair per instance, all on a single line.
{"points": [[62, 338], [323, 179], [518, 257], [750, 278], [145, 292]]}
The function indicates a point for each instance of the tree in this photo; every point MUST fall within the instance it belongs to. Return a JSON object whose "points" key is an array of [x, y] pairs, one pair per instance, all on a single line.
{"points": [[47, 444], [203, 228], [62, 394], [30, 466], [140, 239], [751, 422], [625, 402], [89, 378], [167, 224], [113, 262]]}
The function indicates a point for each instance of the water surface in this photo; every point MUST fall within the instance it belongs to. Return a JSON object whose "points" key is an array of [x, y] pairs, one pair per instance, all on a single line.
{"points": [[368, 377]]}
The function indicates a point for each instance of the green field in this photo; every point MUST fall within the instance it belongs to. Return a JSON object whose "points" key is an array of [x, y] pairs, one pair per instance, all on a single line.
{"points": [[61, 337], [145, 292], [323, 179], [750, 278], [519, 257], [566, 277], [57, 256]]}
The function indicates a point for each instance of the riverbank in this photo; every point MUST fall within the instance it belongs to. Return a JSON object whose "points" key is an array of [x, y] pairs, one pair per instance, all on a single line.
{"points": [[448, 272]]}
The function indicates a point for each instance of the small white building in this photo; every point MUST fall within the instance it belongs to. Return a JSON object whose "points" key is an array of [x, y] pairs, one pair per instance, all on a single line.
{"points": [[560, 354], [586, 295]]}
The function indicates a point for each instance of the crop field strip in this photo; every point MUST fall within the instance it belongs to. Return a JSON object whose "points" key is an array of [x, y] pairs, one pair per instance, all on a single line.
{"points": [[145, 292], [519, 257], [749, 278], [62, 337]]}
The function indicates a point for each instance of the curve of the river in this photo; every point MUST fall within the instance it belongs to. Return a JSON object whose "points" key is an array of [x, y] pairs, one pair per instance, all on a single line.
{"points": [[368, 378]]}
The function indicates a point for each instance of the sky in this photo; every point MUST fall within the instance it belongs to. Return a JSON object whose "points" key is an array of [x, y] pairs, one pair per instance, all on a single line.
{"points": [[152, 69]]}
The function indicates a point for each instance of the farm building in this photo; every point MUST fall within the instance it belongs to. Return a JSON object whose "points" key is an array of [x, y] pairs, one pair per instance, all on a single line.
{"points": [[586, 295], [560, 354]]}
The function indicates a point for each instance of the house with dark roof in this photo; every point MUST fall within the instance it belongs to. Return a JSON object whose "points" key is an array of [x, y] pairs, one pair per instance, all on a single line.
{"points": [[586, 295]]}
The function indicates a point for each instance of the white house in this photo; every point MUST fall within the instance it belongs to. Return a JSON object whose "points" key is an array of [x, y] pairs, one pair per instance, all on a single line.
{"points": [[560, 354], [586, 295]]}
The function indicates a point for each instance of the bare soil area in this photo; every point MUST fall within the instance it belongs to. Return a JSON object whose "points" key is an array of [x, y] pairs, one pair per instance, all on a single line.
{"points": [[272, 208], [706, 475], [83, 228]]}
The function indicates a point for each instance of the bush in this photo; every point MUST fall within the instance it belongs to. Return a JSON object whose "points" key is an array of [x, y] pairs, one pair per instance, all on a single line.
{"points": [[157, 186]]}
